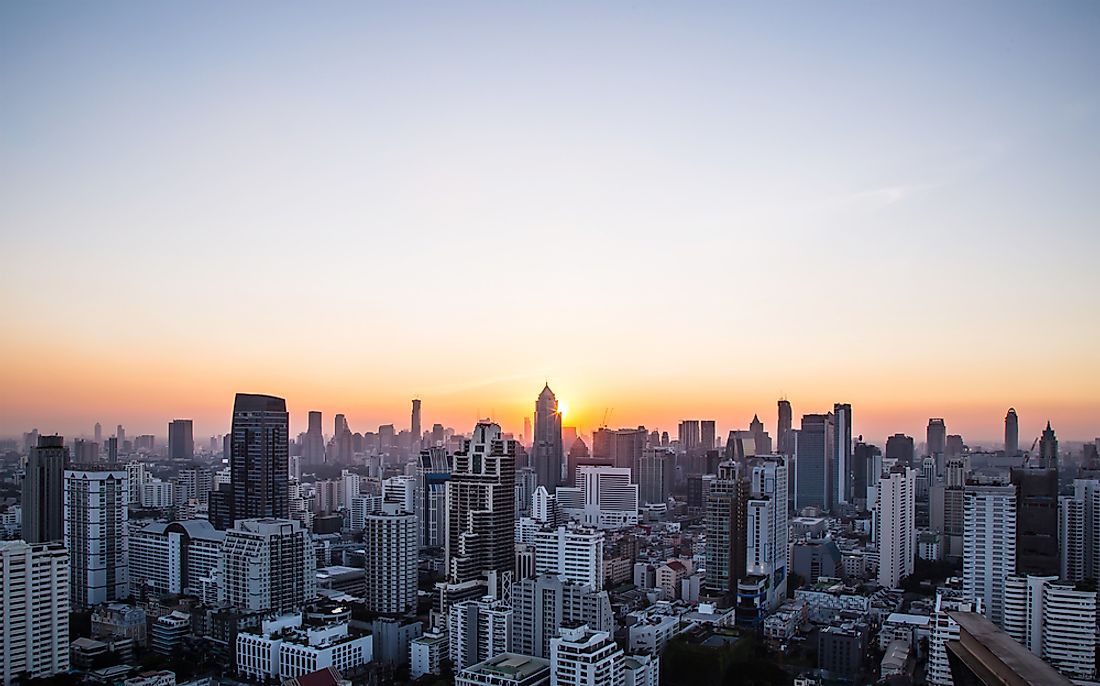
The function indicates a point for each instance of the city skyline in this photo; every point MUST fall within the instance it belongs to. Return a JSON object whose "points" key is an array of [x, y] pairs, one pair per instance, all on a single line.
{"points": [[653, 214]]}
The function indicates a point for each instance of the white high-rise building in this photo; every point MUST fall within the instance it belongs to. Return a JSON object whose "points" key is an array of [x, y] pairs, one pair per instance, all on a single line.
{"points": [[897, 536], [1055, 620], [942, 629], [174, 558], [604, 497], [575, 553], [34, 610], [542, 506], [478, 630], [767, 533], [1069, 629], [989, 545], [582, 657], [391, 562], [350, 487], [545, 603], [399, 493], [268, 564], [1079, 528], [96, 518]]}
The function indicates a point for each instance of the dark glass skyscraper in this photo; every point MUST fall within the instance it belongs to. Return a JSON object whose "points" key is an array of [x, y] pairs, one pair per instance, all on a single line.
{"points": [[783, 429], [900, 447], [548, 455], [181, 439], [260, 450], [44, 491], [842, 451], [814, 464], [1048, 448]]}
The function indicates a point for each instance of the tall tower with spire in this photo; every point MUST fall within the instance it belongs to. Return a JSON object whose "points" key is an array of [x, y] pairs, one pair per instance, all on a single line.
{"points": [[1048, 448], [547, 456]]}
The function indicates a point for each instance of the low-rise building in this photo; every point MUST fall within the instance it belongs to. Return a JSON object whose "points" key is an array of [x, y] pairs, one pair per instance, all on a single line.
{"points": [[426, 653], [288, 646], [506, 669]]}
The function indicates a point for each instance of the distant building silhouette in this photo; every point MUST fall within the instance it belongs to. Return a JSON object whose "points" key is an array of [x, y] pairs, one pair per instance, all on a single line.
{"points": [[1048, 448], [783, 429], [548, 454], [181, 440], [900, 449], [313, 447], [936, 441], [414, 426], [1012, 432]]}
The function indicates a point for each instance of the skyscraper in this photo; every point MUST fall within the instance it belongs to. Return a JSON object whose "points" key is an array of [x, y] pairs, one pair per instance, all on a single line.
{"points": [[34, 610], [414, 428], [433, 471], [548, 453], [814, 465], [1012, 432], [1036, 521], [936, 441], [766, 537], [842, 451], [706, 435], [120, 434], [96, 532], [725, 527], [783, 429], [1079, 524], [260, 452], [1048, 448], [900, 450], [181, 440], [989, 545], [896, 528], [389, 541], [99, 434], [313, 445], [690, 435], [44, 492], [481, 510]]}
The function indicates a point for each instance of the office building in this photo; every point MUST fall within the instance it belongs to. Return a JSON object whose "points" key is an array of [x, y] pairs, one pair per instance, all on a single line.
{"points": [[478, 630], [480, 541], [580, 656], [989, 545], [1036, 521], [96, 518], [181, 440], [43, 490], [690, 435], [706, 435], [175, 558], [604, 497], [866, 469], [575, 553], [1048, 449], [268, 565], [842, 453], [900, 450], [548, 454], [936, 441], [544, 603], [258, 463], [725, 527], [783, 429], [656, 470], [414, 426], [896, 530], [34, 610], [1012, 432], [814, 465], [313, 442], [389, 541], [433, 471]]}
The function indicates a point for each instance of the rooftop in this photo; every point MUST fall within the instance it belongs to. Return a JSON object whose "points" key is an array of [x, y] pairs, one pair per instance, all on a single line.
{"points": [[511, 665]]}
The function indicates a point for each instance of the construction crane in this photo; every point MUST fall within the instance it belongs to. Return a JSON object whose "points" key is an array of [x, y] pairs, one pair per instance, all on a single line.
{"points": [[607, 412]]}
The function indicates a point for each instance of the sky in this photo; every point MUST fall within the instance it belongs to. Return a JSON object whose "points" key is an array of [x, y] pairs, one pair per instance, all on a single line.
{"points": [[666, 211]]}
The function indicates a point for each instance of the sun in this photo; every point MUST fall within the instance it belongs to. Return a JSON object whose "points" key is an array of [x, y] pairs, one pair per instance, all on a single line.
{"points": [[563, 408]]}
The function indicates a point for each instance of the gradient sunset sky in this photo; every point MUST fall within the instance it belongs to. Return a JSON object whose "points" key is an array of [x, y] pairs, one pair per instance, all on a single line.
{"points": [[675, 210]]}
